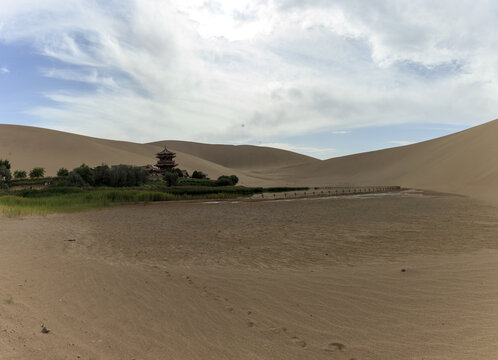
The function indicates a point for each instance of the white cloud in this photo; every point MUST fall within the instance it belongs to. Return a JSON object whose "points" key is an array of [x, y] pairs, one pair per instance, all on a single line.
{"points": [[341, 132], [4, 70], [200, 70]]}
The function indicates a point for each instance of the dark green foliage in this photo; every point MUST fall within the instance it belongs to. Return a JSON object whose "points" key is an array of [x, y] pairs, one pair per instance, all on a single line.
{"points": [[103, 175], [36, 181], [198, 175], [75, 179], [178, 172], [63, 172], [171, 178], [37, 172], [5, 163], [126, 175], [20, 174], [5, 176], [196, 182], [85, 173], [225, 180]]}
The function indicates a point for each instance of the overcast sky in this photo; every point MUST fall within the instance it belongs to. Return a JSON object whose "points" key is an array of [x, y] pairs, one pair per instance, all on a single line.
{"points": [[320, 77]]}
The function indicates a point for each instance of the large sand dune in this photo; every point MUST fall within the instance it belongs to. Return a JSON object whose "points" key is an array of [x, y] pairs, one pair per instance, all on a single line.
{"points": [[27, 147], [464, 163]]}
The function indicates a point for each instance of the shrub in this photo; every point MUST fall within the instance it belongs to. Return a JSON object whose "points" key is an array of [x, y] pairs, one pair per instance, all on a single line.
{"points": [[225, 180], [171, 178], [20, 174], [103, 175], [198, 175], [4, 176], [85, 172], [178, 172], [235, 179], [5, 163], [63, 172], [75, 179], [37, 172]]}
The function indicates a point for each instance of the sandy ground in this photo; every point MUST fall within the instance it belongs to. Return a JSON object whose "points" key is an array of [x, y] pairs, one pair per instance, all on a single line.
{"points": [[301, 279]]}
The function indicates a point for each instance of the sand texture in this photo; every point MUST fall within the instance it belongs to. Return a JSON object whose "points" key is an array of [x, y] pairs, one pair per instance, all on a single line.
{"points": [[303, 279]]}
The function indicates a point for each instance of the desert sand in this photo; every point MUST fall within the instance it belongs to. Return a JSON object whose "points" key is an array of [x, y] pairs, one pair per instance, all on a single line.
{"points": [[404, 275], [303, 279]]}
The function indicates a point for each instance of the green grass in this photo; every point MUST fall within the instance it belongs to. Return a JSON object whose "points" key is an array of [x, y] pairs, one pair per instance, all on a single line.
{"points": [[56, 200], [10, 300]]}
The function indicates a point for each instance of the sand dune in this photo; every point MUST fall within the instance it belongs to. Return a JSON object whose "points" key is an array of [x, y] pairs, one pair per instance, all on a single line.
{"points": [[240, 156], [27, 147], [462, 163]]}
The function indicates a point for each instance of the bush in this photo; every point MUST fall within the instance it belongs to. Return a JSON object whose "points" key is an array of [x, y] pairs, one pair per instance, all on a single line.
{"points": [[103, 175], [37, 172], [63, 172], [225, 180], [198, 175], [75, 179], [20, 174], [235, 179], [5, 163], [4, 176], [85, 172], [196, 182], [171, 178]]}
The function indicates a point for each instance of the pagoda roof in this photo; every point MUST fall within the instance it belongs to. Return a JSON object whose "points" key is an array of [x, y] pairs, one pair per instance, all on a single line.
{"points": [[166, 152]]}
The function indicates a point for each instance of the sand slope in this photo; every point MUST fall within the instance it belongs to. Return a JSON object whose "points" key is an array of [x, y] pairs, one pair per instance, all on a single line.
{"points": [[463, 163], [27, 147], [240, 156]]}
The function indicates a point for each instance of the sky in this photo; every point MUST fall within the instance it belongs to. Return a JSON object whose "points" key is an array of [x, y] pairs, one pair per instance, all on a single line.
{"points": [[321, 77]]}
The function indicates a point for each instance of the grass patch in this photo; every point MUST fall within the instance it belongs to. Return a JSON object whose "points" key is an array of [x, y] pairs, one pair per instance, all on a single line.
{"points": [[10, 299], [60, 199]]}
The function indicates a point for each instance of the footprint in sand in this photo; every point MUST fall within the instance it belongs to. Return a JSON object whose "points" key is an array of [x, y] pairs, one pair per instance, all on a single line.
{"points": [[335, 346], [299, 342]]}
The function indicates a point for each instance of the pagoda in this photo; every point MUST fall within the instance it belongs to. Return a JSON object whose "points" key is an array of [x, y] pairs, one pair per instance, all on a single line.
{"points": [[166, 160]]}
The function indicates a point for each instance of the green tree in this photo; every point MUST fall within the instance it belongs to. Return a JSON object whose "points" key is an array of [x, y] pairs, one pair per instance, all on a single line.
{"points": [[171, 178], [86, 173], [235, 179], [62, 172], [224, 180], [37, 172], [20, 174], [198, 175], [5, 163], [5, 176]]}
